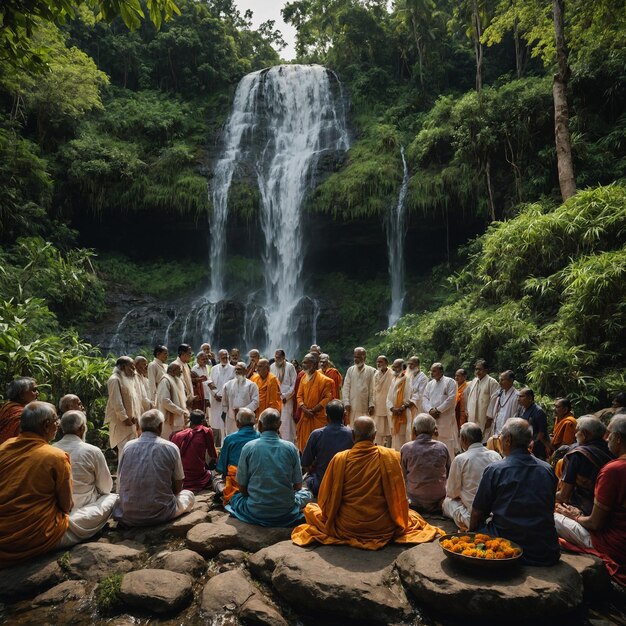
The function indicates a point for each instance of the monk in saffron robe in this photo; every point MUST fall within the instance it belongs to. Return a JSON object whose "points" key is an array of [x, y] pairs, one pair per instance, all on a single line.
{"points": [[564, 433], [362, 499], [328, 370], [269, 387], [459, 406], [399, 405], [315, 391], [20, 392], [35, 488]]}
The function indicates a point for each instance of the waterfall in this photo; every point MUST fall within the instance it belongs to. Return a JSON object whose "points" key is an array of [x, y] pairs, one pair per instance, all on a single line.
{"points": [[302, 123], [238, 128], [396, 233]]}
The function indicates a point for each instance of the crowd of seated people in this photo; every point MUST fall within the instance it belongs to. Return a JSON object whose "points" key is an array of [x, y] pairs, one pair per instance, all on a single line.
{"points": [[340, 484]]}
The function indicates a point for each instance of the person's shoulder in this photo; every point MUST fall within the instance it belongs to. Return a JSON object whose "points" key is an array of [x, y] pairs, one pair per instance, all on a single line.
{"points": [[439, 445], [614, 467]]}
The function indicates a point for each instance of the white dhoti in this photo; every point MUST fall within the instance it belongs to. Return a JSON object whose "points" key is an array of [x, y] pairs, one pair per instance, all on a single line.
{"points": [[382, 429], [88, 520], [572, 531], [456, 511], [184, 502], [287, 425]]}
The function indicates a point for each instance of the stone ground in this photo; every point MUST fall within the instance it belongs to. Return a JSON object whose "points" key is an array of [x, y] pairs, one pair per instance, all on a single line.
{"points": [[209, 568]]}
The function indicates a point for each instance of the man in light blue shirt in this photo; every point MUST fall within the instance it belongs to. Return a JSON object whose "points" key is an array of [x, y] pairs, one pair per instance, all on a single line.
{"points": [[270, 479]]}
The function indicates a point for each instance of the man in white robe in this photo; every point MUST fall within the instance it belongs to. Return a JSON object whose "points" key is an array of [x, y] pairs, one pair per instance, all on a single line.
{"points": [[238, 393], [91, 479], [418, 384], [358, 387], [141, 367], [125, 404], [286, 374], [157, 369], [465, 474], [504, 404], [479, 392], [400, 406], [220, 375], [382, 382], [185, 355], [439, 401], [171, 402]]}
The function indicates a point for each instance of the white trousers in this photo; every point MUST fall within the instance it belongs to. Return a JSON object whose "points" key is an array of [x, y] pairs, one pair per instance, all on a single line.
{"points": [[184, 502], [87, 521]]}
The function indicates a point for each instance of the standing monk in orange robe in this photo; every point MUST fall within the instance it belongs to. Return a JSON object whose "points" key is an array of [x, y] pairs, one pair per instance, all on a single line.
{"points": [[459, 406], [333, 374], [362, 500], [269, 387], [315, 391], [20, 392]]}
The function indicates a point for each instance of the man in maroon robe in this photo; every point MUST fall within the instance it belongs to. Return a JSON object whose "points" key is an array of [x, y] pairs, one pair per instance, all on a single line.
{"points": [[197, 451]]}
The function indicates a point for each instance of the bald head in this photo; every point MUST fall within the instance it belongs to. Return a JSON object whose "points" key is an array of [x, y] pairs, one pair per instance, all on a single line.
{"points": [[364, 429], [263, 368]]}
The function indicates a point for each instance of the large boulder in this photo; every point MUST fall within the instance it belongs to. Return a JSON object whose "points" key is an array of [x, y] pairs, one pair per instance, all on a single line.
{"points": [[182, 525], [342, 581], [450, 587], [156, 590], [232, 593], [595, 577], [181, 561], [28, 579], [67, 590], [227, 533], [94, 561]]}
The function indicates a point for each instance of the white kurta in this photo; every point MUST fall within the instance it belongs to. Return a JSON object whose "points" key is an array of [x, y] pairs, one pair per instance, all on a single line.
{"points": [[237, 394], [126, 401], [479, 392], [404, 434], [502, 407], [220, 375], [466, 472], [186, 376], [286, 376], [418, 385], [358, 390], [441, 395], [171, 402], [382, 382], [156, 370], [91, 487]]}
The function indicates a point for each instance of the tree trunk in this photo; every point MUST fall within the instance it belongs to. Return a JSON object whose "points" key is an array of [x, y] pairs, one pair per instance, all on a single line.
{"points": [[519, 62], [478, 46], [567, 181], [492, 204]]}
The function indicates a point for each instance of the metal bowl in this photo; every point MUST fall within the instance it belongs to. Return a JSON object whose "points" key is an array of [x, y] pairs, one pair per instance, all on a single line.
{"points": [[476, 562]]}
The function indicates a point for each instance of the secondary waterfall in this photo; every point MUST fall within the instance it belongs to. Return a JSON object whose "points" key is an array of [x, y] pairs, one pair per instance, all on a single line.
{"points": [[395, 228]]}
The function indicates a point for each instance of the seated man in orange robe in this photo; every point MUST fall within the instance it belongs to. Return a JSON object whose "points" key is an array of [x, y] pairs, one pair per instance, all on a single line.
{"points": [[20, 392], [362, 499], [564, 433], [315, 391], [35, 488], [269, 387]]}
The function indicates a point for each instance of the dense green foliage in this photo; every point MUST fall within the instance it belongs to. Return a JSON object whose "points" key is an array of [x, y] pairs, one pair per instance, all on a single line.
{"points": [[544, 292]]}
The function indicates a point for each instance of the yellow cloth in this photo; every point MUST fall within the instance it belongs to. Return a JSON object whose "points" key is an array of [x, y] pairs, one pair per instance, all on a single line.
{"points": [[362, 503], [564, 431], [400, 421], [231, 486], [337, 379], [32, 472], [269, 393], [10, 413], [318, 390]]}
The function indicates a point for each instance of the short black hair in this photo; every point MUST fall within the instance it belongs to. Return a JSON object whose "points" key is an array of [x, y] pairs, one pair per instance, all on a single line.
{"points": [[184, 348], [158, 349], [335, 411], [196, 417]]}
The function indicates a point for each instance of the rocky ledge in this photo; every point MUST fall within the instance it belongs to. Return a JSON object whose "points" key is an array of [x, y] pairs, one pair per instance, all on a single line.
{"points": [[207, 567]]}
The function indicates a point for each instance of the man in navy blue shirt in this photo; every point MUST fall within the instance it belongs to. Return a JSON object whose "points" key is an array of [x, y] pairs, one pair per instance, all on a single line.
{"points": [[324, 443], [538, 421], [519, 493]]}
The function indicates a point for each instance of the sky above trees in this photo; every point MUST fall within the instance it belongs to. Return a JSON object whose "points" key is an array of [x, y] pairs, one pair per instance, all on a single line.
{"points": [[270, 10]]}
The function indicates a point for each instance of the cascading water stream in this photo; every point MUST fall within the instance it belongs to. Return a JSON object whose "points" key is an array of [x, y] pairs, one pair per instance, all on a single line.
{"points": [[303, 122], [396, 233]]}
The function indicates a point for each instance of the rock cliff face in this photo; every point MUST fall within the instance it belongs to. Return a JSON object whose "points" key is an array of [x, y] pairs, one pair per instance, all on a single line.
{"points": [[208, 567]]}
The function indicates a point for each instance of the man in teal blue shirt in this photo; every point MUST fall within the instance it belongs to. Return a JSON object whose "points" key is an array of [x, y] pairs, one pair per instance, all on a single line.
{"points": [[270, 479], [232, 447]]}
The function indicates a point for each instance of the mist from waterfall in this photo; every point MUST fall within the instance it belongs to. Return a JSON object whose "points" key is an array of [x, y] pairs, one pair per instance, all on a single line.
{"points": [[395, 227]]}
